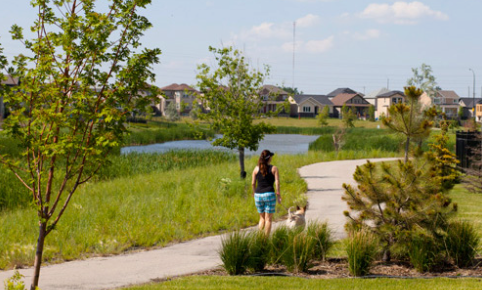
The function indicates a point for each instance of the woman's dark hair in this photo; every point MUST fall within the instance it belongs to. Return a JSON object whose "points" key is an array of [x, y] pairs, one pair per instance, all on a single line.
{"points": [[263, 161]]}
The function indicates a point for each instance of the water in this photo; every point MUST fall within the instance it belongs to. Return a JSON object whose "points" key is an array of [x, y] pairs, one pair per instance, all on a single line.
{"points": [[278, 143]]}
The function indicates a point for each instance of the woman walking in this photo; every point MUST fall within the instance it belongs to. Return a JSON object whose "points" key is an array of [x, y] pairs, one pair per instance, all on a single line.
{"points": [[264, 181]]}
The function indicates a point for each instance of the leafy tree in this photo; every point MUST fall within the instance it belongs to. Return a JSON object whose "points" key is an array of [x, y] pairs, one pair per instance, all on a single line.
{"points": [[171, 112], [424, 80], [322, 117], [86, 72], [460, 113], [195, 111], [348, 117], [230, 92], [408, 120], [291, 90], [371, 113]]}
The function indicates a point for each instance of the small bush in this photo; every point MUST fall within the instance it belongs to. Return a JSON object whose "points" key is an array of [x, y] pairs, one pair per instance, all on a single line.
{"points": [[278, 242], [322, 236], [258, 251], [299, 253], [361, 248], [234, 253], [461, 243], [423, 251], [15, 282]]}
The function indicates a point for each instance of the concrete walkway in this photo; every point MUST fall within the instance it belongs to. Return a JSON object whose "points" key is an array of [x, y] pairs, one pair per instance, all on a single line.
{"points": [[324, 193]]}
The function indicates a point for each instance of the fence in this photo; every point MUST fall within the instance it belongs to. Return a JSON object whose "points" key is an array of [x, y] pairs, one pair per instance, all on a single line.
{"points": [[465, 144]]}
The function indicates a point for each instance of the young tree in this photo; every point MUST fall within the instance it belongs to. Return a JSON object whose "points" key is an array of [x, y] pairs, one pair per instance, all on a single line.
{"points": [[230, 92], [408, 120], [348, 117], [322, 117], [424, 80], [371, 113], [172, 114], [85, 73]]}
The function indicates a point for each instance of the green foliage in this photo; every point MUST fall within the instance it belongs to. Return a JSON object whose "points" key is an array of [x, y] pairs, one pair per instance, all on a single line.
{"points": [[299, 253], [15, 282], [460, 112], [424, 80], [348, 117], [234, 253], [461, 242], [322, 236], [395, 203], [423, 251], [171, 132], [443, 171], [361, 249], [231, 94], [371, 113], [322, 118], [171, 112], [408, 120], [292, 91], [195, 111], [258, 251], [279, 241]]}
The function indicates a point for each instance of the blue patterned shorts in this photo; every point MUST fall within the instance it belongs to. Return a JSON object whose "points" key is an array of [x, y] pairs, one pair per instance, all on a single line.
{"points": [[265, 202]]}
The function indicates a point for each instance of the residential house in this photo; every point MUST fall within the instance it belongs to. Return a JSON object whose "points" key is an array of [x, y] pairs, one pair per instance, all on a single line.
{"points": [[350, 100], [338, 91], [309, 105], [9, 82], [467, 105], [385, 100], [372, 96], [182, 95], [478, 111], [272, 97], [447, 101]]}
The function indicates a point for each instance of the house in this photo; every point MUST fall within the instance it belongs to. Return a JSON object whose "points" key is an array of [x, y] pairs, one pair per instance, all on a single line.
{"points": [[447, 101], [338, 91], [478, 111], [9, 81], [272, 97], [467, 105], [352, 101], [182, 95], [372, 96], [308, 105], [385, 100]]}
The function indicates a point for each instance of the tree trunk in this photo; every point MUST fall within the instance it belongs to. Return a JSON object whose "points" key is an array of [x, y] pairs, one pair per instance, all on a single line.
{"points": [[406, 149], [38, 255], [241, 162]]}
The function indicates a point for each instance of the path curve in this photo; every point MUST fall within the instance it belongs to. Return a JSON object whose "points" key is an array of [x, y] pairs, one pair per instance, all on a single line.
{"points": [[324, 194]]}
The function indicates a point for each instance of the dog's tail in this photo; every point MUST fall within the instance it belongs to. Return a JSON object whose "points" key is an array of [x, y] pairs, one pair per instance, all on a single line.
{"points": [[289, 212]]}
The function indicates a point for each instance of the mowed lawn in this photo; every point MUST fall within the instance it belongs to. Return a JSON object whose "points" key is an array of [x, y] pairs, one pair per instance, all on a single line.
{"points": [[282, 283]]}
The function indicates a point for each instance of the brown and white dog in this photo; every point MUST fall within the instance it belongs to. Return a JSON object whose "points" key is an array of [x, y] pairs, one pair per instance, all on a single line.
{"points": [[296, 219]]}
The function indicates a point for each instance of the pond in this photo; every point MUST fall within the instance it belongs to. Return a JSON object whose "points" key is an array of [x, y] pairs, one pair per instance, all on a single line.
{"points": [[278, 143]]}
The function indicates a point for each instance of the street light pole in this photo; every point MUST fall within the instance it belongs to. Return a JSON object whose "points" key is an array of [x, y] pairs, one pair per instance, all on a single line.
{"points": [[473, 95]]}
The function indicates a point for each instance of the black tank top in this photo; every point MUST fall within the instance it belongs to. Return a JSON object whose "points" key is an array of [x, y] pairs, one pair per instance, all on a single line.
{"points": [[265, 183]]}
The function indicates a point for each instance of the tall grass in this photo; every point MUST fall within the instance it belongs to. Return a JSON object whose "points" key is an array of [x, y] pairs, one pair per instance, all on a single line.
{"points": [[322, 237], [234, 252], [423, 251], [361, 248], [461, 242]]}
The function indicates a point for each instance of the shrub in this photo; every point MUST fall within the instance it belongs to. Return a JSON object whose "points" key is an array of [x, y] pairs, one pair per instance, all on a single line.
{"points": [[278, 242], [322, 236], [15, 282], [461, 243], [234, 253], [299, 252], [258, 251], [423, 251], [361, 248]]}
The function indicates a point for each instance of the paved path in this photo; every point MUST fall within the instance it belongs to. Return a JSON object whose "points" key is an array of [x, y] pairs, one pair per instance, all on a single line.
{"points": [[324, 193]]}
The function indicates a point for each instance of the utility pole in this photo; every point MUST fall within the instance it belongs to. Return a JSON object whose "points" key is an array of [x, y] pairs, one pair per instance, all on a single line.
{"points": [[388, 84], [294, 48], [473, 95]]}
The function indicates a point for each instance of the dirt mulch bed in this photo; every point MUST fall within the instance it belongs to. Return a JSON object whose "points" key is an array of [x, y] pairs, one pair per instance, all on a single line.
{"points": [[338, 268]]}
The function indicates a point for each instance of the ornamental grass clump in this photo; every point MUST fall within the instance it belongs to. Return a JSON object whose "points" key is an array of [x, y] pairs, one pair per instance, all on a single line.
{"points": [[461, 243], [299, 253], [322, 236], [361, 249], [234, 253], [423, 251], [278, 242], [258, 251]]}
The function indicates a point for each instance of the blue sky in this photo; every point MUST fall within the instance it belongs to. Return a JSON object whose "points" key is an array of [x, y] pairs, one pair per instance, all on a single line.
{"points": [[339, 43]]}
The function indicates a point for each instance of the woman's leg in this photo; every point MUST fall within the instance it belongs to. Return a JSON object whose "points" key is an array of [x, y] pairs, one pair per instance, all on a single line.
{"points": [[261, 221], [267, 223]]}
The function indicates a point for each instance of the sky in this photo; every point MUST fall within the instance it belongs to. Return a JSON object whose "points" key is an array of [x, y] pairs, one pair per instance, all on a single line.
{"points": [[360, 44]]}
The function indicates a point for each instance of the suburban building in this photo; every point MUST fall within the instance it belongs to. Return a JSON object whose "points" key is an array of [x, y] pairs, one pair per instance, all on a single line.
{"points": [[353, 101], [272, 97], [9, 81], [339, 91], [309, 105], [478, 111], [467, 104], [182, 95], [372, 96], [447, 101], [385, 100]]}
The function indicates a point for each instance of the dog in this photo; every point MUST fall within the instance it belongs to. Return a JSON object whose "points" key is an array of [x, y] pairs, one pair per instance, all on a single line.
{"points": [[296, 219]]}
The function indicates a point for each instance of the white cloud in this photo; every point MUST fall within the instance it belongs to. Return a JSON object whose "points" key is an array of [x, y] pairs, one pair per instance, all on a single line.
{"points": [[312, 46], [313, 1], [307, 21], [401, 12], [265, 30], [367, 34]]}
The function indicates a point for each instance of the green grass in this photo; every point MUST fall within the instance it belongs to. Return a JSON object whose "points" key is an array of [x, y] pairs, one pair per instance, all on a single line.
{"points": [[152, 210], [311, 122], [280, 283]]}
